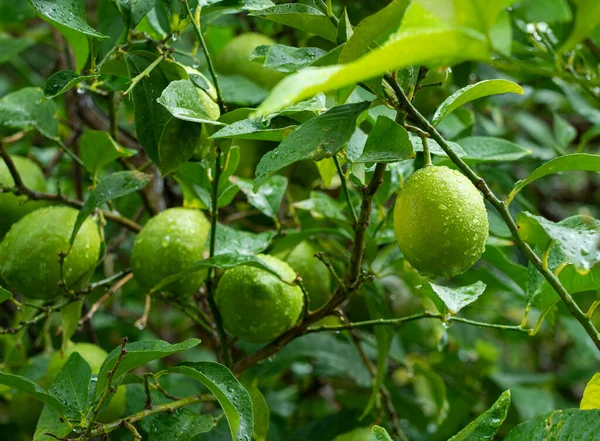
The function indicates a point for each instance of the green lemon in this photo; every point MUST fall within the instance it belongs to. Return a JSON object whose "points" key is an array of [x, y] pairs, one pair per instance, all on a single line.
{"points": [[315, 275], [171, 242], [95, 356], [29, 259], [14, 207], [235, 59], [256, 305], [440, 222]]}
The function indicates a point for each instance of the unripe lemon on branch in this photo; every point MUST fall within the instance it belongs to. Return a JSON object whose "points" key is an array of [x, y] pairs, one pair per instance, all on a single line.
{"points": [[440, 222], [256, 305], [29, 254], [13, 207], [171, 242]]}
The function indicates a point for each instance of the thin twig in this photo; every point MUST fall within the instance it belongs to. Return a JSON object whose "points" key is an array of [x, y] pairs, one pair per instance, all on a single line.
{"points": [[345, 190]]}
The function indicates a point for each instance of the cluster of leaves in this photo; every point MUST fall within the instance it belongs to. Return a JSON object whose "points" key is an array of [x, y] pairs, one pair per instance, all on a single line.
{"points": [[121, 104]]}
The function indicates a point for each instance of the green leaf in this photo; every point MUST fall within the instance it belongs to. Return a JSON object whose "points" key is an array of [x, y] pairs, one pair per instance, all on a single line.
{"points": [[29, 387], [591, 394], [261, 413], [434, 147], [185, 101], [135, 10], [286, 58], [114, 186], [587, 17], [232, 241], [223, 261], [344, 29], [564, 133], [486, 149], [560, 425], [183, 422], [150, 117], [431, 34], [487, 424], [10, 47], [68, 13], [62, 81], [576, 161], [71, 386], [22, 110], [318, 138], [322, 206], [387, 142], [268, 197], [178, 142], [230, 393], [456, 299], [98, 149], [69, 316], [51, 422], [371, 28], [5, 295], [473, 92], [299, 16], [138, 354], [380, 434], [254, 129], [576, 237], [550, 11], [241, 91]]}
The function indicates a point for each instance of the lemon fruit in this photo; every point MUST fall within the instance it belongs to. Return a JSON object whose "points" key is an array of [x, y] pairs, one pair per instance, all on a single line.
{"points": [[235, 59], [171, 242], [29, 254], [94, 356], [15, 207], [440, 222], [256, 305], [315, 275]]}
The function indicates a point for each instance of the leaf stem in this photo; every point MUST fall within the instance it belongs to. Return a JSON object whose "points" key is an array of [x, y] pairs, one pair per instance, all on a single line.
{"points": [[345, 190], [502, 209], [211, 68]]}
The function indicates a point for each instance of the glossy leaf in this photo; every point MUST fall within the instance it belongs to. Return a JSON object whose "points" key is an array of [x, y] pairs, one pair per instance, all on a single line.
{"points": [[457, 298], [239, 90], [473, 92], [322, 206], [69, 318], [485, 149], [134, 10], [223, 261], [178, 142], [253, 129], [232, 396], [591, 394], [261, 412], [299, 16], [138, 354], [268, 197], [22, 110], [232, 241], [71, 386], [185, 101], [5, 295], [387, 142], [576, 161], [97, 149], [487, 424], [371, 28], [587, 17], [560, 425], [62, 81], [434, 147], [117, 185], [183, 422], [50, 421], [286, 58], [318, 138], [577, 237], [380, 434], [29, 387], [68, 13]]}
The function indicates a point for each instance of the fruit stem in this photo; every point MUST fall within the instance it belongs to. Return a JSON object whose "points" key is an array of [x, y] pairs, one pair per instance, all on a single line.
{"points": [[426, 153], [345, 190], [195, 19], [502, 209]]}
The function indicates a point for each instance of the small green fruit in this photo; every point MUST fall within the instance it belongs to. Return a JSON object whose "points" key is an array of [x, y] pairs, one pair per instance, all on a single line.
{"points": [[256, 305], [440, 222], [171, 242], [15, 207], [95, 356], [315, 275], [235, 59], [29, 254]]}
